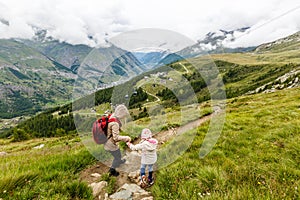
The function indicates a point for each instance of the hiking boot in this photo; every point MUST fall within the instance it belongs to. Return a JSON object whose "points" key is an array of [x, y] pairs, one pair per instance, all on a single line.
{"points": [[150, 182], [150, 179], [113, 172]]}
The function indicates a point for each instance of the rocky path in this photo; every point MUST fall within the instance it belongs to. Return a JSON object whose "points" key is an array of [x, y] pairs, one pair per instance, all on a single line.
{"points": [[128, 180]]}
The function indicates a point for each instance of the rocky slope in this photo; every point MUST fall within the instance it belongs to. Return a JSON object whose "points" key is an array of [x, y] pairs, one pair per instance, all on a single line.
{"points": [[288, 80], [289, 43]]}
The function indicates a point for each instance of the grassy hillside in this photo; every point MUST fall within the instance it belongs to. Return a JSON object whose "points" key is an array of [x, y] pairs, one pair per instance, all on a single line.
{"points": [[256, 157], [47, 173], [35, 75], [29, 81], [260, 58], [285, 44], [240, 77], [283, 51]]}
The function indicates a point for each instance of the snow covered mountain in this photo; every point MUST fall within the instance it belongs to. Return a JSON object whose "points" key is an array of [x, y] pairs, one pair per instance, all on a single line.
{"points": [[215, 42], [212, 43]]}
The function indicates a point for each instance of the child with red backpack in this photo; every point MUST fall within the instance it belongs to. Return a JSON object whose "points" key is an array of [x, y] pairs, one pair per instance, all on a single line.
{"points": [[148, 147]]}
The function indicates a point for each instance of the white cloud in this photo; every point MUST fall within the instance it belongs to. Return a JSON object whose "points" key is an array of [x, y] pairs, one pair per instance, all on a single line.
{"points": [[66, 20], [73, 21], [268, 30]]}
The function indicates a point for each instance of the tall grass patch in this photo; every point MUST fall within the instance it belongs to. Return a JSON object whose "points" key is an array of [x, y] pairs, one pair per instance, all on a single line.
{"points": [[47, 173], [256, 156]]}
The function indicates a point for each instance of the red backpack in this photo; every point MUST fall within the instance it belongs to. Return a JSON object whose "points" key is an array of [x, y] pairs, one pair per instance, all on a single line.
{"points": [[100, 129]]}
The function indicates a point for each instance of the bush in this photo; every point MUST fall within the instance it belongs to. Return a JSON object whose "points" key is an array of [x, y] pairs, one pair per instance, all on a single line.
{"points": [[19, 135]]}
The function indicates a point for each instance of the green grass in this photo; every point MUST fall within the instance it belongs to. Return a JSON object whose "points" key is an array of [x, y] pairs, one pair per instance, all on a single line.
{"points": [[171, 117], [47, 173], [111, 183], [256, 157], [282, 57]]}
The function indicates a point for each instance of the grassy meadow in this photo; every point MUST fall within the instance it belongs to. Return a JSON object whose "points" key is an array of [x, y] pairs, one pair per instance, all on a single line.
{"points": [[256, 157], [51, 172]]}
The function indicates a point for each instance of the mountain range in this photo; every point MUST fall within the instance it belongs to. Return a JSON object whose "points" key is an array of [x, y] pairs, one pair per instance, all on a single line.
{"points": [[41, 72], [212, 43], [36, 74]]}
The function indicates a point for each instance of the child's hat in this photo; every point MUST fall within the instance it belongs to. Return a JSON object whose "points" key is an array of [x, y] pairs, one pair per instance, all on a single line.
{"points": [[146, 133]]}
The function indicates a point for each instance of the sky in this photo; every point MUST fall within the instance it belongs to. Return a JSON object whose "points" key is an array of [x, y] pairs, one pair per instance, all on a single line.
{"points": [[74, 20]]}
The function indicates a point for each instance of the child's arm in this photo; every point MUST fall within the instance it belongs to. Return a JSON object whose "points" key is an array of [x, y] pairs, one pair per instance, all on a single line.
{"points": [[135, 147]]}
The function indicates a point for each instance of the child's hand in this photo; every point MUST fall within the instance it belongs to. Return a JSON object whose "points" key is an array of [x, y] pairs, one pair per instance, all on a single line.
{"points": [[128, 144], [127, 139]]}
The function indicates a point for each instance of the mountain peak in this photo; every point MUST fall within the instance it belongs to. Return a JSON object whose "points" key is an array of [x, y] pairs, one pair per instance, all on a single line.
{"points": [[40, 35], [216, 39]]}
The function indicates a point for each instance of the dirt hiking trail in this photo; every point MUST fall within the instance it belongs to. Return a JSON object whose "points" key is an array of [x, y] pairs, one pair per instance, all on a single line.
{"points": [[132, 164]]}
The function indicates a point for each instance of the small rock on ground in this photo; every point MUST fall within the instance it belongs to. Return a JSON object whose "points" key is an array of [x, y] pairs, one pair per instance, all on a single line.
{"points": [[40, 146], [147, 198], [134, 177], [96, 175], [98, 187]]}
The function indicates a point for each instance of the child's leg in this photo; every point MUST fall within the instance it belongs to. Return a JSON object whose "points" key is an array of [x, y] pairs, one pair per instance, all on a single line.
{"points": [[143, 170], [150, 169], [143, 176]]}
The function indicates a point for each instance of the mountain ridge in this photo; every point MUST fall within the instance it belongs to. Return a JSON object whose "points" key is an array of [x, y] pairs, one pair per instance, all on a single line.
{"points": [[39, 76], [36, 73], [286, 43]]}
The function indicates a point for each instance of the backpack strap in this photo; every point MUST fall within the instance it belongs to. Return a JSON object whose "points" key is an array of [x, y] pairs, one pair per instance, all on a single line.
{"points": [[112, 119]]}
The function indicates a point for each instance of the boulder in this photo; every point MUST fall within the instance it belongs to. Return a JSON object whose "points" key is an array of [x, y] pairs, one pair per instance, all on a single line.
{"points": [[121, 195], [98, 187], [132, 188], [130, 192]]}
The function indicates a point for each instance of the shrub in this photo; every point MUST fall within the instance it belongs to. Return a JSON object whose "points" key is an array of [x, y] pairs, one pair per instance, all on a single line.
{"points": [[19, 135]]}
